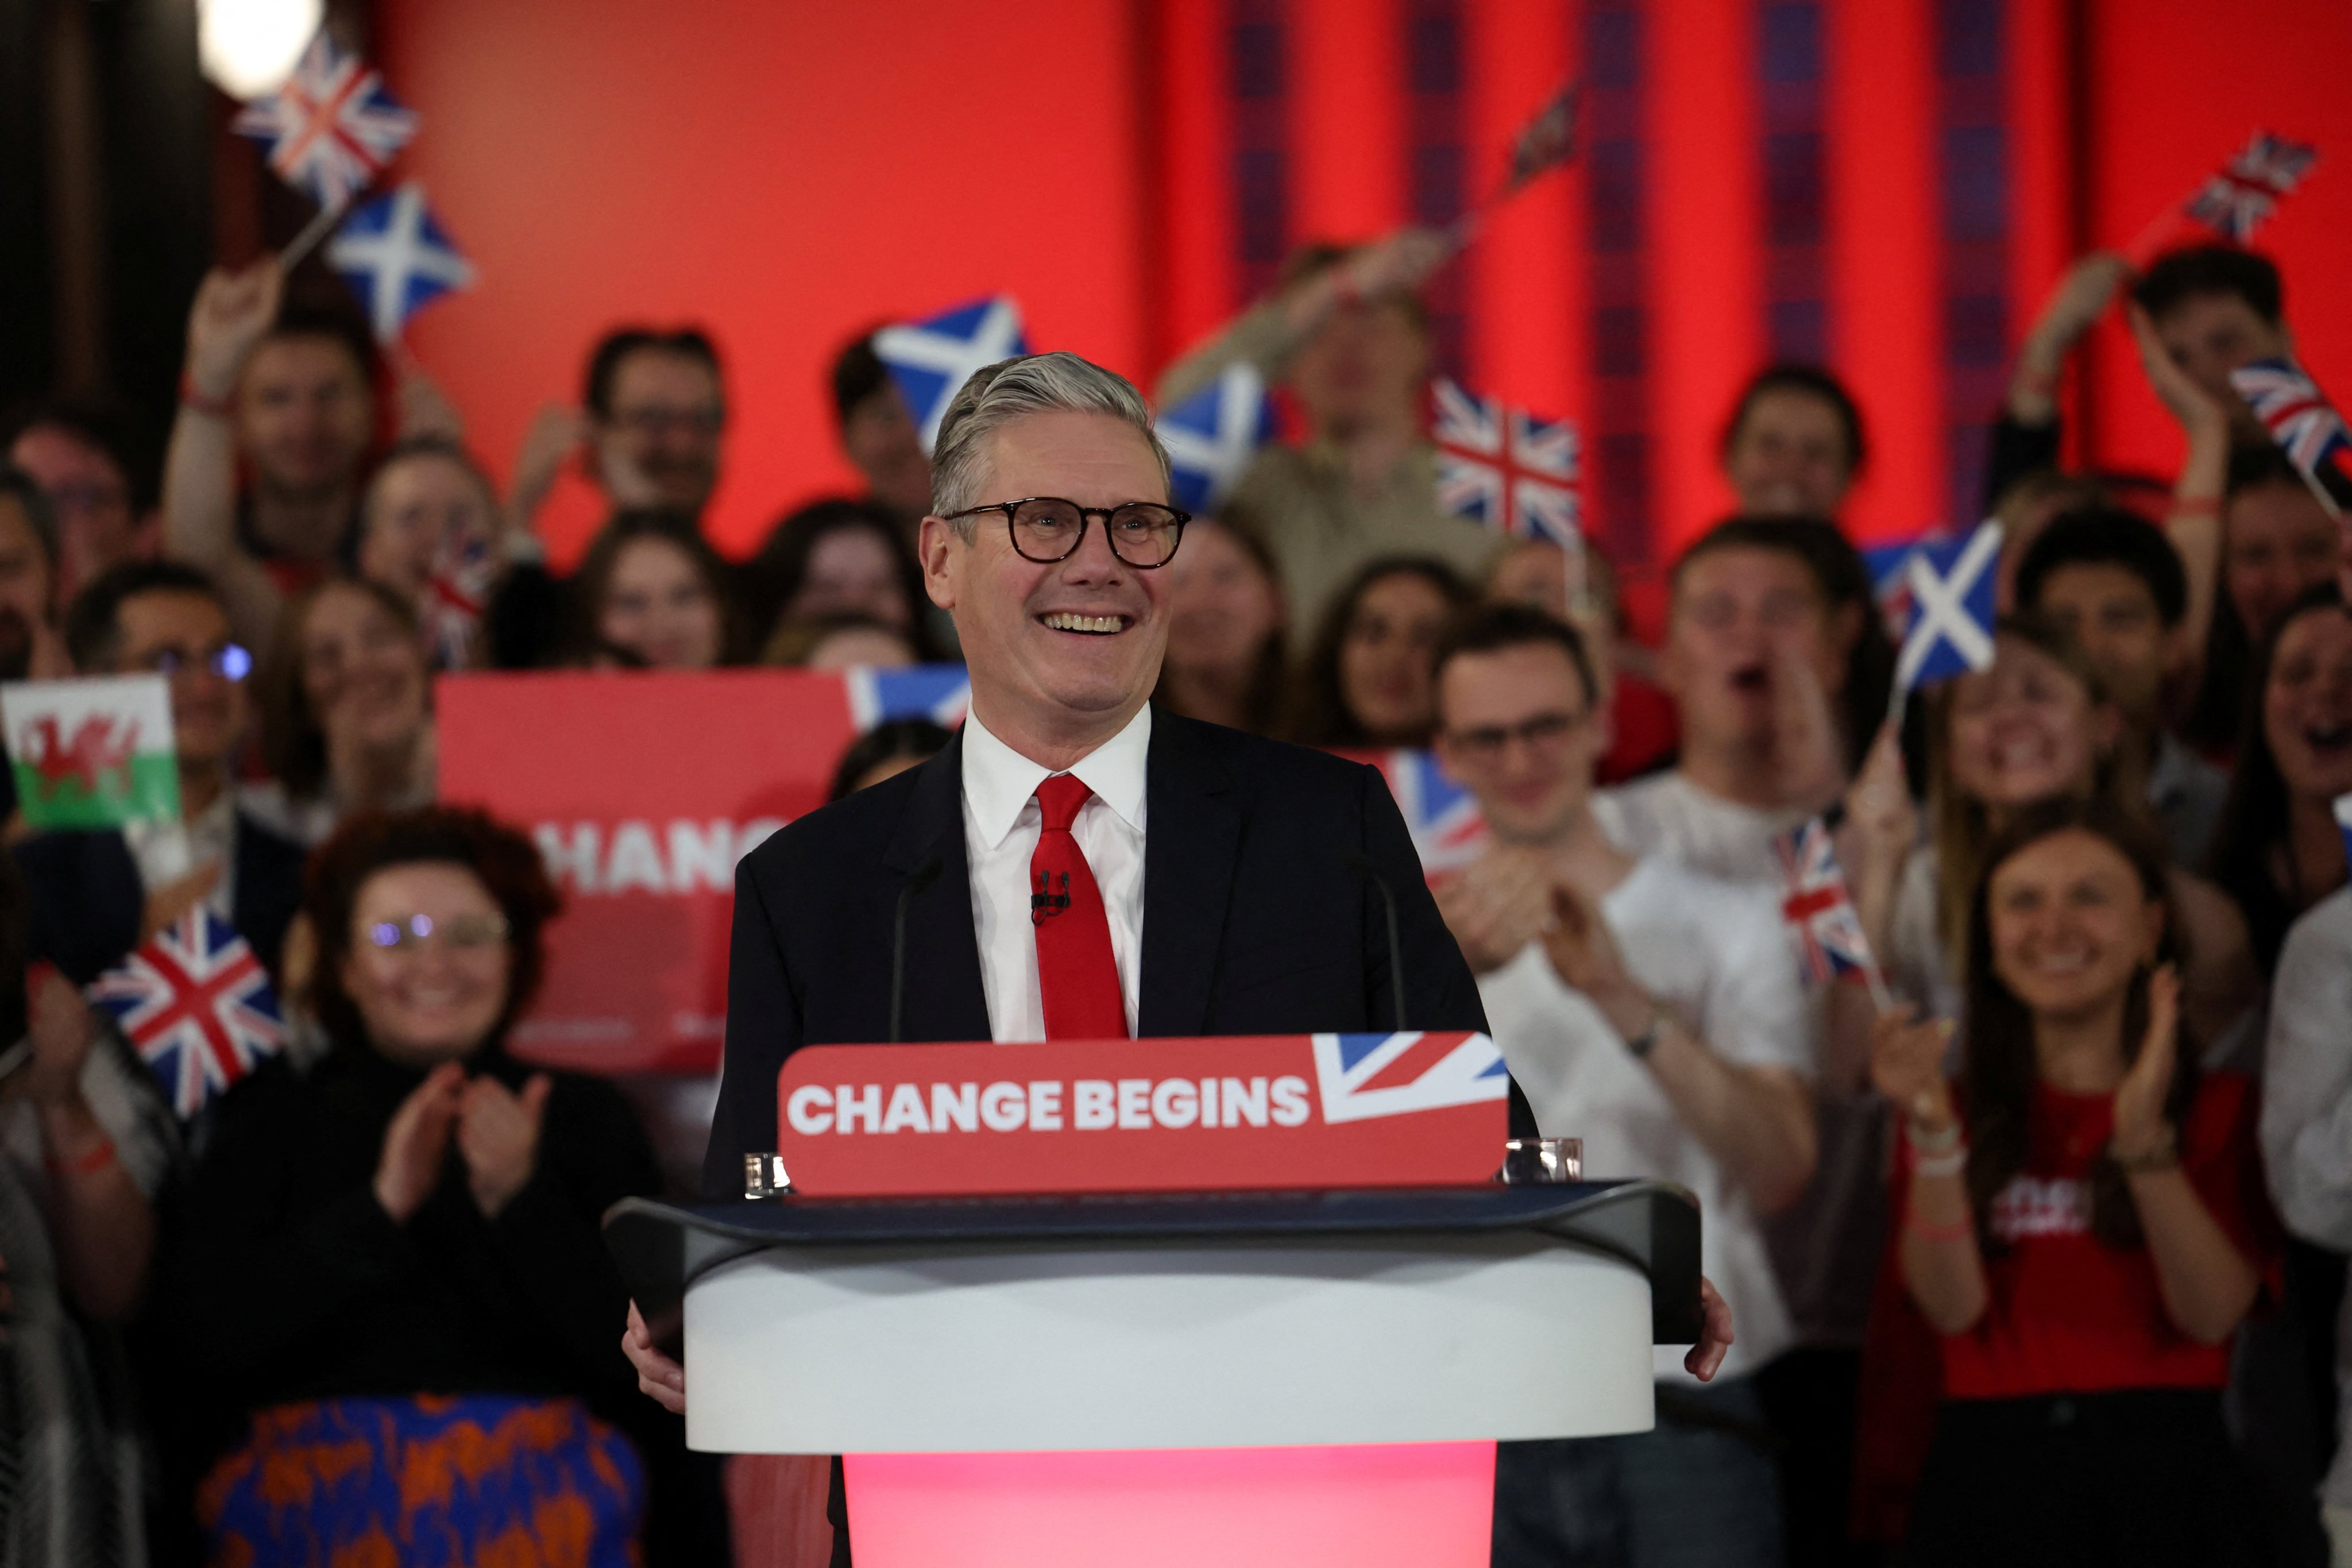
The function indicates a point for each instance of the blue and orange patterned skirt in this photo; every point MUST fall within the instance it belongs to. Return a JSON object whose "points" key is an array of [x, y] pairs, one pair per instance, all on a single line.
{"points": [[427, 1482]]}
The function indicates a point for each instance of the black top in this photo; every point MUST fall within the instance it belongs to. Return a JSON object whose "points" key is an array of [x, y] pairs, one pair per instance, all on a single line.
{"points": [[1257, 918], [291, 1282]]}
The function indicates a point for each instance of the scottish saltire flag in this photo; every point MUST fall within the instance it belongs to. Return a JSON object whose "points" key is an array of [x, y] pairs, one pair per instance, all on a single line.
{"points": [[2242, 195], [929, 359], [1823, 925], [1364, 1076], [92, 751], [197, 1007], [1211, 435], [332, 128], [1443, 818], [1949, 631], [396, 257], [1548, 140], [939, 692], [1505, 467], [2297, 414]]}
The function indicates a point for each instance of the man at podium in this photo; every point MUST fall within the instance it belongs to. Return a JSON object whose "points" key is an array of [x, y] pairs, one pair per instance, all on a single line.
{"points": [[1074, 865]]}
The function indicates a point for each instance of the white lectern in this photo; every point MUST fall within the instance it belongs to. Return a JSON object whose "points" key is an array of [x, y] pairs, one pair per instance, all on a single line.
{"points": [[1299, 1378]]}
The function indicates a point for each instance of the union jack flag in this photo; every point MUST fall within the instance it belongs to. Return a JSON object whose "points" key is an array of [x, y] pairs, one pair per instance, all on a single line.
{"points": [[1505, 467], [196, 1005], [2301, 419], [454, 597], [332, 128], [1364, 1076], [1443, 818], [2238, 200], [1823, 925]]}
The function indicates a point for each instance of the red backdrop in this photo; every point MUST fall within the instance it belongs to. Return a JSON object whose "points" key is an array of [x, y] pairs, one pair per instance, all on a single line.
{"points": [[1890, 184]]}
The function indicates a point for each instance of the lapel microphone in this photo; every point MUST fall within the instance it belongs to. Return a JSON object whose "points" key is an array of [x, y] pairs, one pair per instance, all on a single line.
{"points": [[925, 873], [1358, 862]]}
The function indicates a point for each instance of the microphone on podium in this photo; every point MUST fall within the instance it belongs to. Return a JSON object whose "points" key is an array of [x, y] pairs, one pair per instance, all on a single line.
{"points": [[1358, 862], [925, 873]]}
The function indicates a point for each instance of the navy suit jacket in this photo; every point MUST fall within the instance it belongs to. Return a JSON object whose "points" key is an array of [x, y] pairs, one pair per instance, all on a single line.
{"points": [[87, 899], [1254, 922]]}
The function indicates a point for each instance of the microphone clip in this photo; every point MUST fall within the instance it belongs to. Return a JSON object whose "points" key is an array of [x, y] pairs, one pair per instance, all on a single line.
{"points": [[1044, 903]]}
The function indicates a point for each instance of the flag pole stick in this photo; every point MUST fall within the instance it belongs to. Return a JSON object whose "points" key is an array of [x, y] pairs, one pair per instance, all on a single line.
{"points": [[317, 229], [1882, 1000], [2319, 492]]}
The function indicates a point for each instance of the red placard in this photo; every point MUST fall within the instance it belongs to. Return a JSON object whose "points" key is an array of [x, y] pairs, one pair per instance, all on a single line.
{"points": [[1231, 1113], [641, 790]]}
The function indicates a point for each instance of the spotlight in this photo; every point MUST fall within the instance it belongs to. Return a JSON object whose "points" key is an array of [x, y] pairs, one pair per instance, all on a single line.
{"points": [[248, 48]]}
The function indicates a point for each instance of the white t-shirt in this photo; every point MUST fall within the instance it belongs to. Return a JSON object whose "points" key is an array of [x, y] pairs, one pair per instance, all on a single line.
{"points": [[1712, 954], [1666, 813]]}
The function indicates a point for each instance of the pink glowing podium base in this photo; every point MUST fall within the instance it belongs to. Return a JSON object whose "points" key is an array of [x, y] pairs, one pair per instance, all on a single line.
{"points": [[1403, 1505]]}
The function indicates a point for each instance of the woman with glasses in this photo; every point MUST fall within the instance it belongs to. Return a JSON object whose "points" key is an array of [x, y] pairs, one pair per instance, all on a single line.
{"points": [[391, 1268]]}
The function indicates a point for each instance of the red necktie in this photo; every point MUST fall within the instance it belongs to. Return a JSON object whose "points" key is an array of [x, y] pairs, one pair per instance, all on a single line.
{"points": [[1077, 978]]}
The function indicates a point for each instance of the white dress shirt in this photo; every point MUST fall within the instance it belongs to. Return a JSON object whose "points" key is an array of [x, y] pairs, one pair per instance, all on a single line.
{"points": [[1001, 824]]}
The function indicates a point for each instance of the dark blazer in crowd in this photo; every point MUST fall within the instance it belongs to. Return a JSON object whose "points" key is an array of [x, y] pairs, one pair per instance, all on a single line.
{"points": [[87, 901], [1254, 920]]}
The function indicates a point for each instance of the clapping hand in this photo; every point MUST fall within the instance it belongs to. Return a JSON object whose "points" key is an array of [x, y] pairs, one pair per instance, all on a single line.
{"points": [[416, 1143], [1496, 906], [1585, 955], [1906, 1065], [497, 1136], [659, 1378], [2140, 1128]]}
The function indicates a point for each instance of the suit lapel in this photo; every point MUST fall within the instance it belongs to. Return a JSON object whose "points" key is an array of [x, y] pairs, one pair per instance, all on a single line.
{"points": [[945, 1000], [1192, 834]]}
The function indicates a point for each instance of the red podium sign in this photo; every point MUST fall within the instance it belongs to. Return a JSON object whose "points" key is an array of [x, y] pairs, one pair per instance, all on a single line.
{"points": [[1233, 1113]]}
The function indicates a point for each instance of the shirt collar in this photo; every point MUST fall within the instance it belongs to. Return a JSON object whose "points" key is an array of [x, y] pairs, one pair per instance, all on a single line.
{"points": [[998, 781]]}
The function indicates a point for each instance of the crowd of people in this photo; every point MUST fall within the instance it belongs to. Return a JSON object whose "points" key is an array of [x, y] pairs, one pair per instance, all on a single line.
{"points": [[2035, 1246]]}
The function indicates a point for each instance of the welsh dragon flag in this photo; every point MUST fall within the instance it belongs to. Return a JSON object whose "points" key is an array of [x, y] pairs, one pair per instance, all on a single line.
{"points": [[92, 753]]}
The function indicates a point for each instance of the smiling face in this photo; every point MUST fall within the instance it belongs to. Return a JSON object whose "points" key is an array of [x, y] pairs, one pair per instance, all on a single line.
{"points": [[1387, 655], [1063, 653], [1222, 606], [303, 415], [2025, 730], [666, 425], [2279, 540], [414, 506], [1518, 729], [2070, 924], [1789, 456], [435, 999], [658, 605], [187, 632], [364, 674], [2112, 612], [1741, 613], [2308, 704]]}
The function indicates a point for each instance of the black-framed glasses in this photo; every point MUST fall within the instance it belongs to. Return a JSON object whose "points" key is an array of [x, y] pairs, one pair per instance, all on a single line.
{"points": [[229, 660], [1047, 529], [1487, 744]]}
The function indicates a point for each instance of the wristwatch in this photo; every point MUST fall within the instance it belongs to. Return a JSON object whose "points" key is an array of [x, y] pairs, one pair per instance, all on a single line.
{"points": [[1641, 1045]]}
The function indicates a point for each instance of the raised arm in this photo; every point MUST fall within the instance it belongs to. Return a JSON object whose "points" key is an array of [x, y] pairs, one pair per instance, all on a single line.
{"points": [[2194, 520], [232, 314]]}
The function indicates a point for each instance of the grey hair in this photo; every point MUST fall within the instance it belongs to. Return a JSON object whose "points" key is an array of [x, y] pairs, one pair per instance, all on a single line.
{"points": [[1001, 393]]}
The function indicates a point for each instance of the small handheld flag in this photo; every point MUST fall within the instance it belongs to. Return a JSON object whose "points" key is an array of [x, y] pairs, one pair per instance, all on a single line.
{"points": [[2303, 422], [397, 258], [454, 597], [1211, 435], [2239, 199], [1548, 140], [196, 1005], [1952, 588], [1447, 828], [2344, 824], [92, 753], [1506, 468], [332, 128], [931, 359], [1823, 924], [1889, 566]]}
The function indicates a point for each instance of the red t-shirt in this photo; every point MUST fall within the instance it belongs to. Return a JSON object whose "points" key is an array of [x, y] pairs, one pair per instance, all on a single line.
{"points": [[2068, 1312]]}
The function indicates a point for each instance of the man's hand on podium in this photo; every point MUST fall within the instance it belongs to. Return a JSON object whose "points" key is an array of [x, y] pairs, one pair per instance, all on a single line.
{"points": [[665, 1380], [1714, 1336]]}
